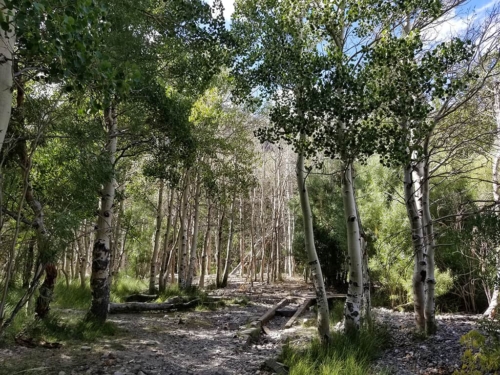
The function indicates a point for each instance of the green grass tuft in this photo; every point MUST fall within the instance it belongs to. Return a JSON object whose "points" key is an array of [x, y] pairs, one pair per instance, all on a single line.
{"points": [[345, 355], [73, 296]]}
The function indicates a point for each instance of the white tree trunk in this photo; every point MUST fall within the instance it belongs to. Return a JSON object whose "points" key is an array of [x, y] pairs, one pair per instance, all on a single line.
{"points": [[430, 244], [352, 310], [491, 311], [204, 260], [412, 195], [7, 43], [182, 258], [194, 243], [156, 247], [229, 243], [99, 279], [316, 273]]}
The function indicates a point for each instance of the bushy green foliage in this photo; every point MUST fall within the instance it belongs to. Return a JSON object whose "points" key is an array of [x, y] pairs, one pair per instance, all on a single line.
{"points": [[345, 355], [482, 349]]}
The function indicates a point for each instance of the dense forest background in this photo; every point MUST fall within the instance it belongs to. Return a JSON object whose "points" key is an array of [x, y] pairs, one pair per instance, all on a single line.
{"points": [[146, 144]]}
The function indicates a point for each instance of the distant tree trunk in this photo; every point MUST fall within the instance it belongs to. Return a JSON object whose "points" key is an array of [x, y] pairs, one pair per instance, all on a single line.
{"points": [[182, 258], [156, 248], [242, 247], [166, 254], [252, 239], [201, 283], [194, 243], [99, 279], [413, 208], [28, 267], [229, 243], [352, 310], [117, 244], [218, 249], [491, 311], [314, 266], [7, 42]]}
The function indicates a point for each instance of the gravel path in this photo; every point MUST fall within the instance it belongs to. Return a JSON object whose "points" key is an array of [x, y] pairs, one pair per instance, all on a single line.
{"points": [[177, 343], [211, 342]]}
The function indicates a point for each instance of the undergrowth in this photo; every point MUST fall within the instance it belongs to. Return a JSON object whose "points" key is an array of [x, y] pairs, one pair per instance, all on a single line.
{"points": [[346, 354]]}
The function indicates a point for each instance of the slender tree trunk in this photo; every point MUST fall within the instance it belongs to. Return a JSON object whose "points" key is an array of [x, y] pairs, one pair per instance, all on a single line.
{"points": [[182, 258], [242, 232], [430, 280], [317, 276], [201, 283], [252, 239], [218, 250], [492, 308], [229, 243], [156, 248], [194, 242], [28, 268], [412, 195], [7, 42], [166, 254], [352, 310], [99, 279]]}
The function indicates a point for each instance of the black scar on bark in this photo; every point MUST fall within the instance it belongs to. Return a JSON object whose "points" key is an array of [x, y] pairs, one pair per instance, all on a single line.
{"points": [[423, 275]]}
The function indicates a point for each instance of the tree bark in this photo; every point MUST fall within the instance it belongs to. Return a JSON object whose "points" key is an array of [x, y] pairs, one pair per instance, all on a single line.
{"points": [[166, 254], [194, 242], [352, 310], [317, 276], [218, 250], [42, 306], [182, 258], [201, 283], [99, 279], [229, 243], [156, 248], [7, 43], [413, 209], [491, 310]]}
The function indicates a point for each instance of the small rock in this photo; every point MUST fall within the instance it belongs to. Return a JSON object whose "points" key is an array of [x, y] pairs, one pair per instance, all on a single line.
{"points": [[86, 348], [62, 373]]}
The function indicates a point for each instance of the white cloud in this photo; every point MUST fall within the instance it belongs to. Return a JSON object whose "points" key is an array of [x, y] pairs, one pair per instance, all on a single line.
{"points": [[446, 28]]}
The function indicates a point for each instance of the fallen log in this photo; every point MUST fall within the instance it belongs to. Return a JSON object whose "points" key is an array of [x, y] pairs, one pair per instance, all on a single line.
{"points": [[141, 297], [134, 307], [308, 302], [272, 311]]}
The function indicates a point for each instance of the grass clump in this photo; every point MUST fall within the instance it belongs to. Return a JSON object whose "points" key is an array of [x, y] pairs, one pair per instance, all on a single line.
{"points": [[123, 286], [346, 354], [72, 296], [173, 290], [58, 328]]}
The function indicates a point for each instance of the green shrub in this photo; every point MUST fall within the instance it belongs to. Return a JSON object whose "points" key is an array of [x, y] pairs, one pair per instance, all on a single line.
{"points": [[482, 350]]}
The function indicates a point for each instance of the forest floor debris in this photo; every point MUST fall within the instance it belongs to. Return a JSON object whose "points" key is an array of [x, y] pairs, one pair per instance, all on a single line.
{"points": [[211, 342], [412, 354]]}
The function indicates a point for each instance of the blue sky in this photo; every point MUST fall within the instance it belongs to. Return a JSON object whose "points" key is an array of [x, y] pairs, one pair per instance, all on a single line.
{"points": [[480, 5]]}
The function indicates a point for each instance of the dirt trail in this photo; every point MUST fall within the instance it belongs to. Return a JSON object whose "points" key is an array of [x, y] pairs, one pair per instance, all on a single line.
{"points": [[177, 343]]}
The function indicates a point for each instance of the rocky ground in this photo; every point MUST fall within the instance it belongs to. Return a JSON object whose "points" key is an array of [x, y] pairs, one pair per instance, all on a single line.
{"points": [[211, 342], [411, 354]]}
